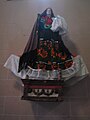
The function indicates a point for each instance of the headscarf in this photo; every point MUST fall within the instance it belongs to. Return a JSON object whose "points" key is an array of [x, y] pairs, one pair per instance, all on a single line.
{"points": [[29, 53], [33, 39]]}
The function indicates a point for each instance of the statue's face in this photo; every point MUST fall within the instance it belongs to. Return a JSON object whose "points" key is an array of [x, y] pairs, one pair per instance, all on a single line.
{"points": [[48, 12]]}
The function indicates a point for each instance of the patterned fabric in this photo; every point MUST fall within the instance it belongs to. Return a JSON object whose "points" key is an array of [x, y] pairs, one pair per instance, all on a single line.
{"points": [[46, 22], [51, 51], [51, 56], [33, 50]]}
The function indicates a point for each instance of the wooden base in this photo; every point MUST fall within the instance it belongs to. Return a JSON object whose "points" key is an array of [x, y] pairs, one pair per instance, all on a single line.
{"points": [[43, 90]]}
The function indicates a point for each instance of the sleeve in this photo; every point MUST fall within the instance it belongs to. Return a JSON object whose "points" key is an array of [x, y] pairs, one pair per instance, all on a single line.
{"points": [[59, 24], [63, 28]]}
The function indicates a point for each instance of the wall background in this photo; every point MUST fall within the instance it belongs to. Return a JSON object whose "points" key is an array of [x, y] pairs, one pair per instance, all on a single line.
{"points": [[16, 21]]}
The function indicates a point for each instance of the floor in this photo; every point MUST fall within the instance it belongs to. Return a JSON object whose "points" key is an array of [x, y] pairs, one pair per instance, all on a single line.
{"points": [[16, 19]]}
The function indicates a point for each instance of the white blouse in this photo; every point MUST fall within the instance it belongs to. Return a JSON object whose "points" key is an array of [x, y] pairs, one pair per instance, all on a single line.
{"points": [[59, 24]]}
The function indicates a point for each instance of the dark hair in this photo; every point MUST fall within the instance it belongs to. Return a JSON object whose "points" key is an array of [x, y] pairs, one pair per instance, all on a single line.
{"points": [[44, 13]]}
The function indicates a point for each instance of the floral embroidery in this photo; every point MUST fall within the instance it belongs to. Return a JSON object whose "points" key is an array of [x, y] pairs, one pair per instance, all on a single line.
{"points": [[63, 57], [46, 22], [52, 56], [54, 66], [49, 45], [68, 64], [42, 53], [53, 52], [41, 65], [59, 55]]}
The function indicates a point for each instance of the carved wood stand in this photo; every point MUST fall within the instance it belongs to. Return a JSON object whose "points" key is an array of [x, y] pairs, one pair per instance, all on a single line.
{"points": [[43, 90]]}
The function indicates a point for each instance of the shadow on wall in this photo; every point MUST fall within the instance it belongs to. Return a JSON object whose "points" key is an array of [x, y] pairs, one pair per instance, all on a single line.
{"points": [[70, 44]]}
